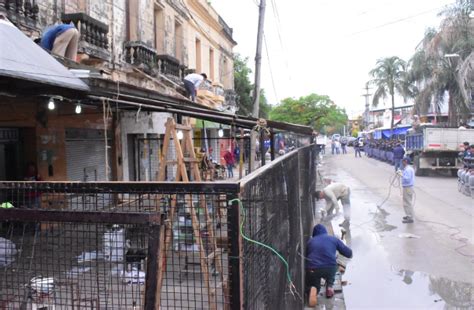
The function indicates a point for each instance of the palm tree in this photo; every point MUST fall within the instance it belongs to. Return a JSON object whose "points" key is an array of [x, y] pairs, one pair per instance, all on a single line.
{"points": [[389, 76], [437, 75]]}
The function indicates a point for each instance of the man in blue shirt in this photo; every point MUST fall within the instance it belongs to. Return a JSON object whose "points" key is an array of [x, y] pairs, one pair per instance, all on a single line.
{"points": [[398, 153], [321, 262], [408, 181], [62, 40]]}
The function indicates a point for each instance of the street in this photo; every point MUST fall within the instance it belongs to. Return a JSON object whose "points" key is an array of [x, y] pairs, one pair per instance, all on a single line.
{"points": [[427, 264]]}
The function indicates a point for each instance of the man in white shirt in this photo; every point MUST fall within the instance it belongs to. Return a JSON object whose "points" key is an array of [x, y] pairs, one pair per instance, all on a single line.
{"points": [[332, 194], [192, 82]]}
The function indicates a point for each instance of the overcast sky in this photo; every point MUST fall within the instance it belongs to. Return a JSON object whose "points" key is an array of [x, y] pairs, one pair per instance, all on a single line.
{"points": [[327, 46]]}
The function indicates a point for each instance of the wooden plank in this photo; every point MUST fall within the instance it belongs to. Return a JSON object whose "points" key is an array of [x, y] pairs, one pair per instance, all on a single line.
{"points": [[183, 127], [152, 300], [31, 215]]}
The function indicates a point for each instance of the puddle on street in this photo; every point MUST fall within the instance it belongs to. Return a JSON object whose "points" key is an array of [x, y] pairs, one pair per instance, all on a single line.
{"points": [[373, 282]]}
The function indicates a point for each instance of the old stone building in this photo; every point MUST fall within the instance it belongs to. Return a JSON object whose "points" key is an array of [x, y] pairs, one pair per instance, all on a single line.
{"points": [[127, 49]]}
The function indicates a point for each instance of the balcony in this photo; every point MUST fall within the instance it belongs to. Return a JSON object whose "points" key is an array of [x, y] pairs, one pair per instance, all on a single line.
{"points": [[230, 103], [22, 13], [139, 54], [93, 41], [170, 67]]}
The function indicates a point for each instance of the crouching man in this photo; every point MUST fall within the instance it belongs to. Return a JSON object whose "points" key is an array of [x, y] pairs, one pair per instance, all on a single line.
{"points": [[321, 262], [332, 194]]}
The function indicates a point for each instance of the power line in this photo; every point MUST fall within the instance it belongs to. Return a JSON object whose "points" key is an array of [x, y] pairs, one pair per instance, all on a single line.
{"points": [[270, 67], [278, 28], [395, 21]]}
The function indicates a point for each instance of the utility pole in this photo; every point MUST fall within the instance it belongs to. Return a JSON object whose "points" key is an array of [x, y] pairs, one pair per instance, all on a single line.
{"points": [[367, 105], [256, 92]]}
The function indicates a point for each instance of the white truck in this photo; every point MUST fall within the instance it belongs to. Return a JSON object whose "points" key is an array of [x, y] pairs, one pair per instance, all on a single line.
{"points": [[432, 148]]}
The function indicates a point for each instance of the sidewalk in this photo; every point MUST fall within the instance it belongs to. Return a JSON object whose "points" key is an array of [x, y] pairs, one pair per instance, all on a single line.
{"points": [[336, 302]]}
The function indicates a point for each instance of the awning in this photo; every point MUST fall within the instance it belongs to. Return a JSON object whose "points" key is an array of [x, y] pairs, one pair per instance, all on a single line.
{"points": [[25, 66], [133, 98]]}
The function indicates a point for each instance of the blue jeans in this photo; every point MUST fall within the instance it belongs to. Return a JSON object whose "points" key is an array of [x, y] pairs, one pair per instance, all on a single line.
{"points": [[230, 170], [397, 163], [313, 277], [190, 89]]}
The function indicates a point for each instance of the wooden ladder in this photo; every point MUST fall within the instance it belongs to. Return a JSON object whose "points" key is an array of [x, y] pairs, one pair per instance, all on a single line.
{"points": [[186, 146]]}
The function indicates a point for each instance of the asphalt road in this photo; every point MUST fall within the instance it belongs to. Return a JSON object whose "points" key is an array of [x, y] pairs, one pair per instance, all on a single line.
{"points": [[425, 265]]}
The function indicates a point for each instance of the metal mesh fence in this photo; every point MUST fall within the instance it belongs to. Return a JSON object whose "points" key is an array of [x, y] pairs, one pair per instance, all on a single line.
{"points": [[116, 245], [278, 212]]}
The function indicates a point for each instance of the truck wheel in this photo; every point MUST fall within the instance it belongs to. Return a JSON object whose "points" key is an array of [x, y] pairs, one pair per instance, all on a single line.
{"points": [[416, 166]]}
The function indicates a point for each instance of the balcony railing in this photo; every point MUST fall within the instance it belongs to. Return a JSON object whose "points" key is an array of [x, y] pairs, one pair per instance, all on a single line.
{"points": [[231, 97], [94, 41], [139, 54], [170, 66], [23, 13]]}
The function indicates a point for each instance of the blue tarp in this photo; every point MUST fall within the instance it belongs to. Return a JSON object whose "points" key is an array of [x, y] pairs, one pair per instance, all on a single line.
{"points": [[387, 133]]}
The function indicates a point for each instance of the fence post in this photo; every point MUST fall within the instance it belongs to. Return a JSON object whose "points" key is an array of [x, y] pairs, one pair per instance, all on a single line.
{"points": [[152, 271], [235, 253]]}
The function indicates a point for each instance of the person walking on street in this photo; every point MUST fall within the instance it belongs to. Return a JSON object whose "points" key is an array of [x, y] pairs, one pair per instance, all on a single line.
{"points": [[192, 82], [332, 194], [408, 181], [343, 145], [321, 262], [333, 146], [338, 147], [358, 144], [229, 162], [398, 153]]}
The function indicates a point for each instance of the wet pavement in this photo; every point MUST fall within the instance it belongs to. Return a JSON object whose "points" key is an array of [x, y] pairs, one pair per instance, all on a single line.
{"points": [[425, 265]]}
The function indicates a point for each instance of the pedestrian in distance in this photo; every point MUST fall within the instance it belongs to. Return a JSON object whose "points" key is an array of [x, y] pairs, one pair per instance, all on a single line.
{"points": [[357, 146], [321, 262], [61, 40], [407, 176], [332, 194], [333, 146], [338, 147], [398, 154], [343, 145], [192, 82], [229, 162]]}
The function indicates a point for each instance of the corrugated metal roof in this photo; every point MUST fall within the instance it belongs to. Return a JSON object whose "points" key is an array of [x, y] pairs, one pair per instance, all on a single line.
{"points": [[22, 59]]}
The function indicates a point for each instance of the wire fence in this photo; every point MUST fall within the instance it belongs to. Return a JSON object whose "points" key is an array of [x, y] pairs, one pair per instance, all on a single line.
{"points": [[116, 245], [278, 211], [150, 245]]}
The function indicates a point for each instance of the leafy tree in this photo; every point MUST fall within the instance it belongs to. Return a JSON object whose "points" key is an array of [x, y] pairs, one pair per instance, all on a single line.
{"points": [[389, 76], [435, 74], [314, 110], [243, 88]]}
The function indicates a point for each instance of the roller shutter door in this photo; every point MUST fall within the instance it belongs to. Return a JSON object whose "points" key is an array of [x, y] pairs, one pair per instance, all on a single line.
{"points": [[85, 157]]}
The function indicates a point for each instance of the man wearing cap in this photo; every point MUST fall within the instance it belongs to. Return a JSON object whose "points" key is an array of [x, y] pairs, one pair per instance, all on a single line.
{"points": [[408, 181]]}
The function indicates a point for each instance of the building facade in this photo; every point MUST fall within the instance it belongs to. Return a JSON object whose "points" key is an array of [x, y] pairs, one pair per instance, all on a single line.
{"points": [[126, 48]]}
